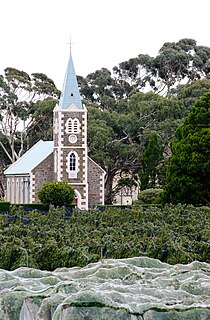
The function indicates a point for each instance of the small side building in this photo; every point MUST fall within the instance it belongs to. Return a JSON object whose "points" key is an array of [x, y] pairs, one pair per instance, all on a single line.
{"points": [[28, 174]]}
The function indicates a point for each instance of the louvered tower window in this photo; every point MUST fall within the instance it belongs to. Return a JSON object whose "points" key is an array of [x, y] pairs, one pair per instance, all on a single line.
{"points": [[69, 126], [72, 126]]}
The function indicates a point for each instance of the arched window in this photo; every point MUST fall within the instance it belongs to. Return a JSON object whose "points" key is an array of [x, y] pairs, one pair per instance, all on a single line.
{"points": [[72, 164], [76, 125], [69, 125], [73, 125]]}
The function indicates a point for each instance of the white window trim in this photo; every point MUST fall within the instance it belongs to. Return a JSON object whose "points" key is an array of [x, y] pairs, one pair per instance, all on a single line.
{"points": [[73, 127], [72, 173]]}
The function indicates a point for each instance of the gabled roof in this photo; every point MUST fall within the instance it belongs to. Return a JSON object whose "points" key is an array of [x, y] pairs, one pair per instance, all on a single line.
{"points": [[34, 156], [70, 92], [97, 165]]}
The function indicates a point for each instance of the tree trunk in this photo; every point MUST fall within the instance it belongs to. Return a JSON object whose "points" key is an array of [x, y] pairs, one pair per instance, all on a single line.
{"points": [[109, 186]]}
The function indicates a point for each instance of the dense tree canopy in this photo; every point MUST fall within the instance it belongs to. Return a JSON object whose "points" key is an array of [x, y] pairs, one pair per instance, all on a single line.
{"points": [[112, 144], [188, 175], [176, 62], [151, 160], [139, 114], [118, 139]]}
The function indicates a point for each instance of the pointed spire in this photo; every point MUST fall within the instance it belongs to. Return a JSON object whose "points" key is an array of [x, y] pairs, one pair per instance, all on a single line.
{"points": [[70, 92]]}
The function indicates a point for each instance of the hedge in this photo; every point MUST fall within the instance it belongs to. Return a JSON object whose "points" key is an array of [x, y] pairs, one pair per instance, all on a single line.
{"points": [[4, 206]]}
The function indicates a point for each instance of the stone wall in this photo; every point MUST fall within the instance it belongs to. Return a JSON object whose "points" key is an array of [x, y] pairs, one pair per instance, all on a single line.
{"points": [[95, 183], [43, 173]]}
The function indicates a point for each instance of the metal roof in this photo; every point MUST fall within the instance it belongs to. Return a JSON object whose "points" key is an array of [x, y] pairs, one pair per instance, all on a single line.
{"points": [[34, 156], [70, 92]]}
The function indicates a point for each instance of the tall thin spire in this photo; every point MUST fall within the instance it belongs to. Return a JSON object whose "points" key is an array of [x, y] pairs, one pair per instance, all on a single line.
{"points": [[70, 92]]}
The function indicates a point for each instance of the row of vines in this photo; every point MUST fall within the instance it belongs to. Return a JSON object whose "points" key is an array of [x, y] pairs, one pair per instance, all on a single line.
{"points": [[48, 241]]}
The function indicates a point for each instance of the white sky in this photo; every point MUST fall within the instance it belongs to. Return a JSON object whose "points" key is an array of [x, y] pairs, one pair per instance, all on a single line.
{"points": [[35, 33]]}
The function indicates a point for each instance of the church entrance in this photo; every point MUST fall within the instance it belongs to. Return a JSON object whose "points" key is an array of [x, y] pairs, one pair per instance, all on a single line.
{"points": [[77, 199]]}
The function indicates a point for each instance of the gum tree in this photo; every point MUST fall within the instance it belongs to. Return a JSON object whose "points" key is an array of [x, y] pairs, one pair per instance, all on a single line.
{"points": [[21, 98]]}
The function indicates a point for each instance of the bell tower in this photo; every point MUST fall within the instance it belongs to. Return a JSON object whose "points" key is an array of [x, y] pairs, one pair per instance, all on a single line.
{"points": [[70, 138]]}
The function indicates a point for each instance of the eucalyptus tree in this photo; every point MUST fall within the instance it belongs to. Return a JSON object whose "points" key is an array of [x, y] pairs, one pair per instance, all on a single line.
{"points": [[138, 72], [118, 139], [112, 144], [187, 94], [154, 113], [176, 62], [102, 88], [183, 61], [19, 97]]}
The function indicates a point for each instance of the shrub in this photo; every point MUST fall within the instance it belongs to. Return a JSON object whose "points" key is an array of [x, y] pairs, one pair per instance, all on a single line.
{"points": [[149, 196], [31, 206], [56, 193], [4, 206]]}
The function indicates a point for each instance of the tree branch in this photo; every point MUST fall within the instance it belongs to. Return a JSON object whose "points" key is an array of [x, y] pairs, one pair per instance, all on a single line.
{"points": [[5, 151]]}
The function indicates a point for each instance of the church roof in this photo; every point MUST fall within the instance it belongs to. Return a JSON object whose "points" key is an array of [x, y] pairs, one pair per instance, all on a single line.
{"points": [[30, 159], [70, 92]]}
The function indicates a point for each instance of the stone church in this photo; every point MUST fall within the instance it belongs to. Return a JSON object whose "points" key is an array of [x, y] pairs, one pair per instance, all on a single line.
{"points": [[63, 159]]}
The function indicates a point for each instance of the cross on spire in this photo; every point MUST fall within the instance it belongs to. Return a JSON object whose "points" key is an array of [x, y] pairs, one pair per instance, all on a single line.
{"points": [[70, 44]]}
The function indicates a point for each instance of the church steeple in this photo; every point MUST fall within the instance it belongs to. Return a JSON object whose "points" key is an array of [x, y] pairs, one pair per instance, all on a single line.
{"points": [[70, 92]]}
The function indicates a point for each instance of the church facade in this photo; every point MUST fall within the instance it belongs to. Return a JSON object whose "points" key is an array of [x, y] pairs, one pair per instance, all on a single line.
{"points": [[63, 159]]}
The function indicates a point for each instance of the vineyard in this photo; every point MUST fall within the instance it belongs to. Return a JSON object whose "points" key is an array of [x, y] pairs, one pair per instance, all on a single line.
{"points": [[173, 234]]}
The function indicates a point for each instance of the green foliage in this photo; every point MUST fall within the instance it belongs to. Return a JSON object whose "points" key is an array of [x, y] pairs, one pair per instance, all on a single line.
{"points": [[4, 206], [191, 92], [111, 141], [121, 118], [41, 124], [173, 234], [119, 132], [31, 206], [29, 99], [188, 174], [56, 193], [175, 62], [149, 196], [150, 160]]}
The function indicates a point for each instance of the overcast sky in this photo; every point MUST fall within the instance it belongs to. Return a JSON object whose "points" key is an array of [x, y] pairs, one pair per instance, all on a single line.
{"points": [[35, 33]]}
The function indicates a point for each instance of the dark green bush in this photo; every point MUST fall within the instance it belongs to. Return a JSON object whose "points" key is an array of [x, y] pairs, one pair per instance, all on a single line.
{"points": [[112, 206], [32, 206], [149, 196], [56, 193], [4, 206]]}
